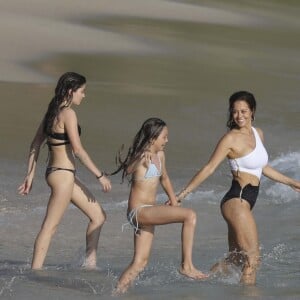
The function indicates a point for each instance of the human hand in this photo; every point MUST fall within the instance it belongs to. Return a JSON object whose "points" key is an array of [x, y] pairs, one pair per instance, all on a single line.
{"points": [[168, 202], [147, 155], [172, 203], [106, 184], [25, 187]]}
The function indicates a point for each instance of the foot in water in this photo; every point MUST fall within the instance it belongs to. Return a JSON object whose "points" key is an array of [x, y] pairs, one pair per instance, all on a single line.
{"points": [[90, 264], [193, 273]]}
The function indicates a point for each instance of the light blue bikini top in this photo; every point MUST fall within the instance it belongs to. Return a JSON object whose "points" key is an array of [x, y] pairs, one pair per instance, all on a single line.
{"points": [[253, 162], [152, 171]]}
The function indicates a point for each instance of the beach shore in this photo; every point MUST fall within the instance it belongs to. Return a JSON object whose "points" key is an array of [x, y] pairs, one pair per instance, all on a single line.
{"points": [[35, 30]]}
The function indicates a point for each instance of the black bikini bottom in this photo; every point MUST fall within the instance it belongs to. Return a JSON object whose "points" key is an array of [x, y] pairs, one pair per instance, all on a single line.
{"points": [[248, 192], [50, 170]]}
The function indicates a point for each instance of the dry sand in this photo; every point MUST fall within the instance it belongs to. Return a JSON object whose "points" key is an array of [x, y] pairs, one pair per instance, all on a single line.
{"points": [[33, 30]]}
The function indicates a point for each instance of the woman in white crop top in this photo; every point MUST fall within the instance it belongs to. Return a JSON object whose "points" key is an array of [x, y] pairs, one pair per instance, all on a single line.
{"points": [[243, 147]]}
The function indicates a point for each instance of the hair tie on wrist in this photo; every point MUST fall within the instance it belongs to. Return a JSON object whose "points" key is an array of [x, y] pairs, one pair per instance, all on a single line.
{"points": [[100, 176]]}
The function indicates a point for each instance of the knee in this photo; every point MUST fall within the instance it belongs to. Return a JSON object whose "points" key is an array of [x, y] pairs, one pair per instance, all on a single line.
{"points": [[102, 217], [192, 217], [49, 229], [140, 264], [99, 219]]}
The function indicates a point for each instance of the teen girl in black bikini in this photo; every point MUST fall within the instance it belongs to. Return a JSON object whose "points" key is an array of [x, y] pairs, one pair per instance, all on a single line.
{"points": [[59, 128]]}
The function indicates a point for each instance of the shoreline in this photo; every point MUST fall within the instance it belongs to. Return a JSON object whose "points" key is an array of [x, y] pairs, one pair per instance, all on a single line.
{"points": [[33, 32]]}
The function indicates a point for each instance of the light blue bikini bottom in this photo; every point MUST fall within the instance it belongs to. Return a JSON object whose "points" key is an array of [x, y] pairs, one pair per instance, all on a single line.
{"points": [[132, 218]]}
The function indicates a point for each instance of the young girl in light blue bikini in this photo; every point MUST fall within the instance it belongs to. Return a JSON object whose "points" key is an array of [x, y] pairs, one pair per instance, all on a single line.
{"points": [[145, 165]]}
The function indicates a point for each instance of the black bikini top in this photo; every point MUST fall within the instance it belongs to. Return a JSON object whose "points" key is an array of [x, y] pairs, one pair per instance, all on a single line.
{"points": [[61, 136]]}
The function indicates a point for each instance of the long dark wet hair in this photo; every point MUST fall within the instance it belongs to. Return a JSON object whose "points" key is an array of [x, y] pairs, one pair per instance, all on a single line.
{"points": [[149, 132], [68, 81], [238, 96]]}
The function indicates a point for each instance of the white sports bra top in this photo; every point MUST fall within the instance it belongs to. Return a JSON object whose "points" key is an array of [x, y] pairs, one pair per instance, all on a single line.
{"points": [[253, 162]]}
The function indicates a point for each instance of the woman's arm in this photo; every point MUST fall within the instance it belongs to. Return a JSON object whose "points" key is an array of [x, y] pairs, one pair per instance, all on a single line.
{"points": [[221, 151], [71, 127], [275, 175], [34, 152]]}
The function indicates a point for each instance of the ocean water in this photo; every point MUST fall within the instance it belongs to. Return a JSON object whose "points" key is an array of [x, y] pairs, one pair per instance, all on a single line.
{"points": [[182, 67]]}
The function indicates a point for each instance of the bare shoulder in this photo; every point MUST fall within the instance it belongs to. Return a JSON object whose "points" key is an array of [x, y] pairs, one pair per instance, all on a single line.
{"points": [[229, 137], [68, 114], [161, 155], [260, 132], [227, 144]]}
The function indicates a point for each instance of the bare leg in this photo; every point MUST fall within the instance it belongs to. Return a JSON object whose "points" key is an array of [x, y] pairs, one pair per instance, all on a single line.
{"points": [[86, 202], [61, 183], [161, 215], [142, 249], [244, 234], [234, 256], [187, 237]]}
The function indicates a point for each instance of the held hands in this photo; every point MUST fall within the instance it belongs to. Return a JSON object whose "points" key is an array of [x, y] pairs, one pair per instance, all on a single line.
{"points": [[179, 198], [173, 203]]}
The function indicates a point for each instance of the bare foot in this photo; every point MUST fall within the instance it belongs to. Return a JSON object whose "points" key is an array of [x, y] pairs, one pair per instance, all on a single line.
{"points": [[249, 276], [193, 273], [119, 290], [91, 268], [89, 265]]}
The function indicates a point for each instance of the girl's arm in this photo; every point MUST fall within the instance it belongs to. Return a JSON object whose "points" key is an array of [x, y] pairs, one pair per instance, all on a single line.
{"points": [[34, 151], [275, 175], [166, 182], [221, 151], [71, 127]]}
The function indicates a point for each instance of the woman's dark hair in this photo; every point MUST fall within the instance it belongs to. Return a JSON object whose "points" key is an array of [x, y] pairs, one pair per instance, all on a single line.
{"points": [[68, 81], [149, 131], [238, 96]]}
